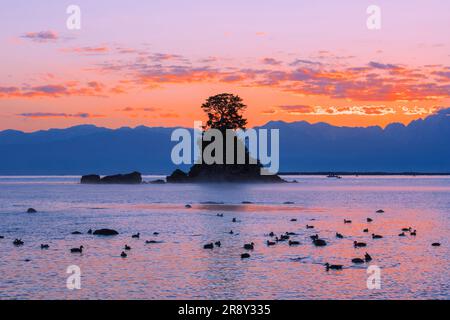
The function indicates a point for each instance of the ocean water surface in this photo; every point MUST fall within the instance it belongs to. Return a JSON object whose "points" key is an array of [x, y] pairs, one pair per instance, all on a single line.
{"points": [[177, 267]]}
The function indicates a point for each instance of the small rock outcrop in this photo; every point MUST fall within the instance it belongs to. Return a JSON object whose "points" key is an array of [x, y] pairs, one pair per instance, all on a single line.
{"points": [[246, 173], [90, 179], [105, 232], [178, 176], [131, 178]]}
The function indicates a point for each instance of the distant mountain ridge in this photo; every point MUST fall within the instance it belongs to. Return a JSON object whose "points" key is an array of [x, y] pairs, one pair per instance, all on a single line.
{"points": [[421, 146]]}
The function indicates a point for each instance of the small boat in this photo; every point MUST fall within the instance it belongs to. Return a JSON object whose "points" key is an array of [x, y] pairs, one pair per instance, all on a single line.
{"points": [[334, 176]]}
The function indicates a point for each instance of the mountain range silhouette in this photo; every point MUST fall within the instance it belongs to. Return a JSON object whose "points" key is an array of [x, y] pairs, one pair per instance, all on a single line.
{"points": [[421, 146]]}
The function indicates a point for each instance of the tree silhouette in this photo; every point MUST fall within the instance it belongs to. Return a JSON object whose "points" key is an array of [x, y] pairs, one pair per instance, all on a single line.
{"points": [[225, 112]]}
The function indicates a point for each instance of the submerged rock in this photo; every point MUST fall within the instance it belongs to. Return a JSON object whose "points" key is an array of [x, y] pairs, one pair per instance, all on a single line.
{"points": [[105, 232]]}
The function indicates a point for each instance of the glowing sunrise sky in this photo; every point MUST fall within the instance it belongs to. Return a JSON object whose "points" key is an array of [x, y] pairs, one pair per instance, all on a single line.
{"points": [[154, 62]]}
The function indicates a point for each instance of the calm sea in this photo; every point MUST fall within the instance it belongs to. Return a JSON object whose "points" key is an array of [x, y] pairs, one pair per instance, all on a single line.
{"points": [[177, 267]]}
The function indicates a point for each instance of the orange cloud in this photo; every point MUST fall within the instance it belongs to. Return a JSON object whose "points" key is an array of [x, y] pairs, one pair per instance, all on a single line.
{"points": [[59, 115], [72, 88]]}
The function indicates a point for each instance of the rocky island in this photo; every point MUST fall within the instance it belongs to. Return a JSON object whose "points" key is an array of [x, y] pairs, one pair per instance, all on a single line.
{"points": [[224, 114]]}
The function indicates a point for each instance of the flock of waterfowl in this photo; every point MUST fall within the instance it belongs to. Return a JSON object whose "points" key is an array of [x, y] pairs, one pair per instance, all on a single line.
{"points": [[316, 241], [273, 241]]}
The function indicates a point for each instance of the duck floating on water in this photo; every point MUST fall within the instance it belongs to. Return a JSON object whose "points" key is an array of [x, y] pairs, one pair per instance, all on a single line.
{"points": [[320, 243], [333, 266], [402, 234], [218, 244], [357, 244], [245, 256], [18, 242], [367, 257], [294, 243], [309, 227], [127, 247], [209, 246], [380, 211], [366, 230], [347, 221], [270, 243], [44, 246], [413, 233], [376, 236], [77, 250], [369, 219], [358, 260], [249, 246], [123, 255], [136, 236], [339, 236]]}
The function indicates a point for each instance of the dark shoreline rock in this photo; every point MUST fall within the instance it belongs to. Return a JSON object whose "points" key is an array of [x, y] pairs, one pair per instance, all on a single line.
{"points": [[90, 179], [105, 232], [202, 173], [131, 178]]}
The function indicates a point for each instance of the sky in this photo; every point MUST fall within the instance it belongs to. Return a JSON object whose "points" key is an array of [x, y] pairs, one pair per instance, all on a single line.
{"points": [[155, 62]]}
